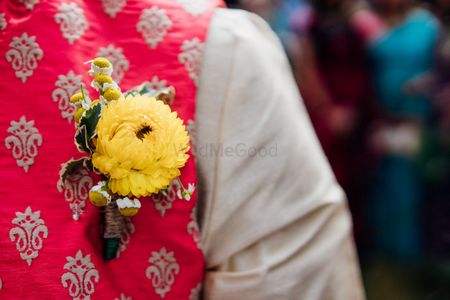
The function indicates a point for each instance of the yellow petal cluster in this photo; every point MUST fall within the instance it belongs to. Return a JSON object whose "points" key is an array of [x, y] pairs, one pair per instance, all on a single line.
{"points": [[141, 145]]}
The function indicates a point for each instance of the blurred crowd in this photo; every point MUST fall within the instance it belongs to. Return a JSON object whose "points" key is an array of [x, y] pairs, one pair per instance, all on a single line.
{"points": [[375, 78]]}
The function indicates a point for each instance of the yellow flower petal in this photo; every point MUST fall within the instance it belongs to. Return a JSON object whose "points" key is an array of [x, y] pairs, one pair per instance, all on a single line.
{"points": [[141, 145]]}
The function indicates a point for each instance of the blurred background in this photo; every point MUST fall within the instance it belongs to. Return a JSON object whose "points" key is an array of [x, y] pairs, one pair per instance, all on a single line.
{"points": [[375, 77]]}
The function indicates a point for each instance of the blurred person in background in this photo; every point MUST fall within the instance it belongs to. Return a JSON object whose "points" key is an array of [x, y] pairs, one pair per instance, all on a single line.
{"points": [[332, 71], [402, 40], [436, 85]]}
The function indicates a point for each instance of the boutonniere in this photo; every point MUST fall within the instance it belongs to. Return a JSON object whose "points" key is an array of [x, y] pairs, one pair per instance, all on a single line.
{"points": [[134, 141]]}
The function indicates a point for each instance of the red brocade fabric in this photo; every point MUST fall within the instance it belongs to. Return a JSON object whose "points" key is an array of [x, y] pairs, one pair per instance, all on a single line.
{"points": [[45, 253]]}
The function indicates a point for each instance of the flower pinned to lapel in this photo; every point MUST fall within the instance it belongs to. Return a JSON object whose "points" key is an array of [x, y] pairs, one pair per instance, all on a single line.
{"points": [[141, 145], [134, 141]]}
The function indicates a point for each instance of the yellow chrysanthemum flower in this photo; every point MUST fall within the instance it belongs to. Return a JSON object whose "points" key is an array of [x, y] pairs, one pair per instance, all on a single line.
{"points": [[112, 94], [101, 62], [102, 79], [76, 98], [141, 145], [79, 113]]}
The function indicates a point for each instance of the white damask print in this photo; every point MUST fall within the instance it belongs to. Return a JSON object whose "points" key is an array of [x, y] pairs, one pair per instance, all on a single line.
{"points": [[195, 292], [163, 200], [24, 55], [162, 271], [193, 228], [153, 24], [23, 142], [76, 189], [81, 276], [191, 56], [117, 59], [126, 236], [28, 234], [112, 7], [157, 84], [123, 297], [72, 20], [3, 22], [194, 7], [67, 85], [29, 4]]}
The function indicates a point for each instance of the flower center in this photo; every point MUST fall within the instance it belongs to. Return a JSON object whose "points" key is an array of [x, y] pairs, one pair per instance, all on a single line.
{"points": [[141, 133]]}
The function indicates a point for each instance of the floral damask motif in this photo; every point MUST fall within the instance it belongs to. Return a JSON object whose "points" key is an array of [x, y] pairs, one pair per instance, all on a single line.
{"points": [[162, 271], [193, 228], [29, 234], [3, 22], [191, 56], [194, 7], [112, 7], [81, 276], [126, 236], [24, 142], [66, 87], [117, 59], [153, 24], [157, 84], [29, 4], [24, 55], [76, 188], [123, 297], [195, 292], [163, 200], [72, 20]]}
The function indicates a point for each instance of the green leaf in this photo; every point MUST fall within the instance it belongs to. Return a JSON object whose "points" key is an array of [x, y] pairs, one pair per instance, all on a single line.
{"points": [[81, 139], [166, 94], [86, 129], [73, 166]]}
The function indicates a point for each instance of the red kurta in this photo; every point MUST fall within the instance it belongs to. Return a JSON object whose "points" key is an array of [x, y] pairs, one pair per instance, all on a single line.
{"points": [[44, 252]]}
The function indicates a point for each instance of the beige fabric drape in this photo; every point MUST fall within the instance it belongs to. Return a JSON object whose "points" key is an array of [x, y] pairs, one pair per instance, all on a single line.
{"points": [[275, 224]]}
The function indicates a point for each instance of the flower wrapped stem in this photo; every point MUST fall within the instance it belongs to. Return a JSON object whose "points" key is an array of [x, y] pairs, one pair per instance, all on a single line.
{"points": [[113, 228]]}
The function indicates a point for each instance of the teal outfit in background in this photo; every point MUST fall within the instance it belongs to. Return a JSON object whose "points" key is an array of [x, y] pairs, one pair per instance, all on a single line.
{"points": [[401, 54]]}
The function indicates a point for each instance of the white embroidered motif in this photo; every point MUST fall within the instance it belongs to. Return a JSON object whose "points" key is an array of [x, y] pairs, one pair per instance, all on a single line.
{"points": [[66, 87], [194, 7], [123, 297], [24, 55], [195, 292], [76, 189], [191, 56], [153, 24], [3, 22], [117, 59], [162, 271], [190, 127], [157, 84], [29, 4], [80, 277], [72, 20], [24, 142], [163, 201], [193, 228], [125, 236], [28, 234], [112, 7]]}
